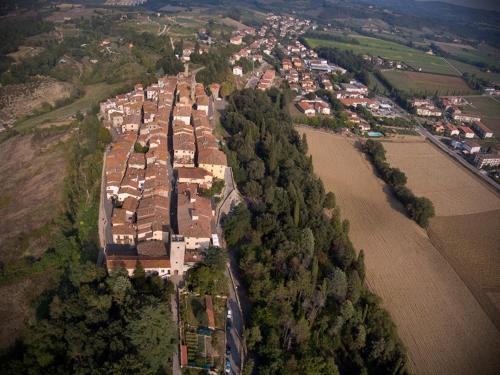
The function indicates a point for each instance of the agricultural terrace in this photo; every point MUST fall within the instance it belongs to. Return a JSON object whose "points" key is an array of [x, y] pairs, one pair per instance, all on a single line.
{"points": [[426, 83], [488, 108], [443, 326], [465, 229], [390, 50]]}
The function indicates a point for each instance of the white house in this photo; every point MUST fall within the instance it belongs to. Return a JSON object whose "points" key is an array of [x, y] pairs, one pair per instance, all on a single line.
{"points": [[238, 70]]}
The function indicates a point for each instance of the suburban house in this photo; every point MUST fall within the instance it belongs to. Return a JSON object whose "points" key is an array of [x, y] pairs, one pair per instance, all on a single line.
{"points": [[471, 147], [306, 108], [482, 130], [238, 70], [359, 102], [487, 160], [438, 127], [466, 131], [451, 130], [236, 39]]}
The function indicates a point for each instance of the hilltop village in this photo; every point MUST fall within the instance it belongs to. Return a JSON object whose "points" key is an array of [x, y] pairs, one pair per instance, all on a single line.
{"points": [[158, 174]]}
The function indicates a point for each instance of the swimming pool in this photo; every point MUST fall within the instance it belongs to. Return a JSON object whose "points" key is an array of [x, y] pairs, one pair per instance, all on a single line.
{"points": [[375, 134]]}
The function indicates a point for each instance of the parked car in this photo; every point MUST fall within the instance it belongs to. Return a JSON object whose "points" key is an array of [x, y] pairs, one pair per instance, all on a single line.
{"points": [[228, 366]]}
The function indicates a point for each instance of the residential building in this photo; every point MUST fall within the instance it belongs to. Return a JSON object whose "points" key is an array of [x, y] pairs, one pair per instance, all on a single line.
{"points": [[482, 130], [238, 70], [213, 161], [487, 160]]}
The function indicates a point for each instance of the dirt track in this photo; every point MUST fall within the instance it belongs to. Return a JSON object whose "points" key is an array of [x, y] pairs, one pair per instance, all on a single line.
{"points": [[444, 328]]}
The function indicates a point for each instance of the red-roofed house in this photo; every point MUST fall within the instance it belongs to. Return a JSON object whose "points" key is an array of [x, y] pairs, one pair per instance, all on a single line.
{"points": [[306, 108]]}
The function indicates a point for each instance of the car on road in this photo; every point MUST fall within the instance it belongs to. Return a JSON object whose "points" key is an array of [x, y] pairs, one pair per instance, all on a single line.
{"points": [[229, 314], [227, 369]]}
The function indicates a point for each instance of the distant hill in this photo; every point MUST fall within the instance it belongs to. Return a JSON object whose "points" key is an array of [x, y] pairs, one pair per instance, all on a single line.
{"points": [[478, 4]]}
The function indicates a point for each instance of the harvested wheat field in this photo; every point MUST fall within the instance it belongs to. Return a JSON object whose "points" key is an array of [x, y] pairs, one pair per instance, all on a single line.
{"points": [[452, 189], [443, 326], [470, 243], [466, 227]]}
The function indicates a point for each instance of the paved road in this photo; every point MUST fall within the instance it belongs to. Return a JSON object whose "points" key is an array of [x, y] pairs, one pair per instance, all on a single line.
{"points": [[237, 299], [254, 79], [105, 210], [231, 197], [435, 140], [234, 329]]}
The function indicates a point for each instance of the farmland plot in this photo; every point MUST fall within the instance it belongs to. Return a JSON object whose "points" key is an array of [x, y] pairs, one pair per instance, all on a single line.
{"points": [[434, 175], [426, 83], [465, 230], [443, 326]]}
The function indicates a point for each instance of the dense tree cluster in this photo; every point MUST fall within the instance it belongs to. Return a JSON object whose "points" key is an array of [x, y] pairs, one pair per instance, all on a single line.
{"points": [[330, 36], [311, 313], [419, 209], [99, 324], [216, 65], [348, 60], [208, 277]]}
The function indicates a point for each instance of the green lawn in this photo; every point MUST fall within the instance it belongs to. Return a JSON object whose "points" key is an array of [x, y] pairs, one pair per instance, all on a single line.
{"points": [[471, 69], [390, 50], [93, 95], [426, 83]]}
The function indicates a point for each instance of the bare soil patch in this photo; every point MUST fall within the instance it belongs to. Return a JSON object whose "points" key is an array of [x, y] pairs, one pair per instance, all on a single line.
{"points": [[443, 326], [452, 189], [233, 23], [22, 99], [25, 52]]}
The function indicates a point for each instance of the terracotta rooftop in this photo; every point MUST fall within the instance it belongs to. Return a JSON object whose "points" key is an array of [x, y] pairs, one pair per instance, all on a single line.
{"points": [[152, 249], [214, 157]]}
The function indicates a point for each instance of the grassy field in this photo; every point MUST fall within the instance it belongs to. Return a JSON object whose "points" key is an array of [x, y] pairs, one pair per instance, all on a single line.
{"points": [[484, 54], [390, 50], [489, 109], [465, 229], [443, 326], [426, 83], [93, 95], [471, 69]]}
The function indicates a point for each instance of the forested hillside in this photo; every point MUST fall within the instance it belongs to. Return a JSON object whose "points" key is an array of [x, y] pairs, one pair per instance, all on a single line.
{"points": [[311, 312]]}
